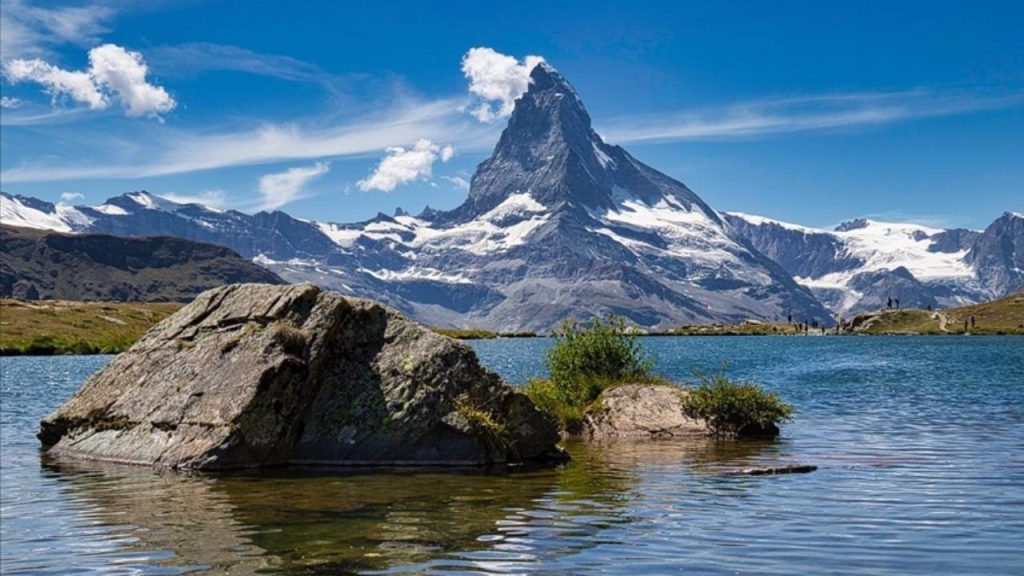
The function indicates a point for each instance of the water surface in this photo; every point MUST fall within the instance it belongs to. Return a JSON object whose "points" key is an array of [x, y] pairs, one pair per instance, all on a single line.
{"points": [[919, 440]]}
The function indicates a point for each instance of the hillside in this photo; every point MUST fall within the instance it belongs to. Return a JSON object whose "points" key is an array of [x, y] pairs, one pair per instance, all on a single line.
{"points": [[40, 264], [1003, 316], [60, 327]]}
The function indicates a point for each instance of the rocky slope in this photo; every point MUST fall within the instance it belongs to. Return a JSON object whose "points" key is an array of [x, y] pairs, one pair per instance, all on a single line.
{"points": [[38, 264], [558, 223], [260, 375], [862, 263]]}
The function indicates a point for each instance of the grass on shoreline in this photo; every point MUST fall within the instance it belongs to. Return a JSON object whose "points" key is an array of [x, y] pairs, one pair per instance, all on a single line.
{"points": [[48, 327], [477, 334], [1003, 316]]}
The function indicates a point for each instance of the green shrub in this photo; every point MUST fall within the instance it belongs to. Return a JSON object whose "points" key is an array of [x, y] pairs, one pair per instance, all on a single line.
{"points": [[736, 408], [583, 362], [568, 406], [604, 351]]}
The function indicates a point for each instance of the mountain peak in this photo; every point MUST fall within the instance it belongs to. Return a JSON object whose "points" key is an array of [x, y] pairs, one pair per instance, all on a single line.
{"points": [[544, 76]]}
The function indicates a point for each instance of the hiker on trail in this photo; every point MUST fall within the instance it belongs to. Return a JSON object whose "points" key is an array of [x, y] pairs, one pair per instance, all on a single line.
{"points": [[965, 325], [789, 318], [897, 303], [888, 305], [929, 307], [972, 320]]}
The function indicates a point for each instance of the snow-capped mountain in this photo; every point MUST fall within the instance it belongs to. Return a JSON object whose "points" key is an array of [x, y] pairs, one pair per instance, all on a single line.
{"points": [[861, 263], [558, 223]]}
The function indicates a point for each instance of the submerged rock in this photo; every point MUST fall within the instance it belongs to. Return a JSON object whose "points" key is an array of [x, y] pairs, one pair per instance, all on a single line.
{"points": [[642, 411], [257, 375], [784, 469]]}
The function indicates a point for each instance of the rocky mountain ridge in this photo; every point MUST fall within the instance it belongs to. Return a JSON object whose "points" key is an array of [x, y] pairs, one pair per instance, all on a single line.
{"points": [[559, 223]]}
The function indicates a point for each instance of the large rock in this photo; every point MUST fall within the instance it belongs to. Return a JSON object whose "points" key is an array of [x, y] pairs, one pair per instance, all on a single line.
{"points": [[257, 375], [642, 411]]}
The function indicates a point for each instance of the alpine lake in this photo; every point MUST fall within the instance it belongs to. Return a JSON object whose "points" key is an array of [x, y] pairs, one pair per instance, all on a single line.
{"points": [[919, 443]]}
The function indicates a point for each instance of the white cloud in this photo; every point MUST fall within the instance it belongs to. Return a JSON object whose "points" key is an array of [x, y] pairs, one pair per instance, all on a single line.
{"points": [[447, 153], [403, 165], [496, 80], [457, 181], [124, 73], [57, 82], [281, 188], [8, 102], [113, 72], [68, 197], [213, 198]]}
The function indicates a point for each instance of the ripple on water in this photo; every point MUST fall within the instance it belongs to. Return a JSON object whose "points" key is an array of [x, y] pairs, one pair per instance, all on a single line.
{"points": [[919, 443]]}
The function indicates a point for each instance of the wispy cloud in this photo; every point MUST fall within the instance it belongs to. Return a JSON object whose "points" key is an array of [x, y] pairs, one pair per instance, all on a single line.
{"points": [[178, 152], [458, 182], [199, 57], [28, 30], [281, 188], [803, 114], [213, 198], [168, 150]]}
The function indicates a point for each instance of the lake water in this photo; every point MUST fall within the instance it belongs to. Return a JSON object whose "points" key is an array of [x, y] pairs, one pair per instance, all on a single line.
{"points": [[919, 443]]}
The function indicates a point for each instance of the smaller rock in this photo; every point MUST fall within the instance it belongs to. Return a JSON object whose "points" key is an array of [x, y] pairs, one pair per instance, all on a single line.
{"points": [[787, 469], [642, 411]]}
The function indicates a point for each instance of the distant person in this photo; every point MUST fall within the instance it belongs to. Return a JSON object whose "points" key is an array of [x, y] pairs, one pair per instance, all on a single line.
{"points": [[888, 304], [965, 325], [897, 303], [929, 307], [789, 318], [972, 321]]}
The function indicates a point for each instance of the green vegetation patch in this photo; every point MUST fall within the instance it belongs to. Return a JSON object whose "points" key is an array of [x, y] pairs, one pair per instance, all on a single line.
{"points": [[476, 334], [734, 408], [585, 361], [45, 327], [745, 329]]}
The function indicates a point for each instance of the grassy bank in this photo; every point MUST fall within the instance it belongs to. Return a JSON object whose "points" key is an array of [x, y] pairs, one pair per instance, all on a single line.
{"points": [[749, 328], [45, 327], [1003, 316], [475, 334]]}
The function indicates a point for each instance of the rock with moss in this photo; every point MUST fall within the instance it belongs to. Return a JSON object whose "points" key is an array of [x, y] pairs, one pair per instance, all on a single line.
{"points": [[642, 411], [255, 375]]}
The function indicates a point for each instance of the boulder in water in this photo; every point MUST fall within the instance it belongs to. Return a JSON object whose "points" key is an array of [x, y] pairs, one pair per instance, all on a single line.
{"points": [[252, 375]]}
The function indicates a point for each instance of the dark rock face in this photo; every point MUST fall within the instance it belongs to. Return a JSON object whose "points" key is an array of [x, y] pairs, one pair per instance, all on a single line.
{"points": [[802, 253], [998, 254], [259, 375], [877, 287], [41, 264]]}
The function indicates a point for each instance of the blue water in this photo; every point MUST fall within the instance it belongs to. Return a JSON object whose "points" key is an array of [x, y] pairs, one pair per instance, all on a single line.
{"points": [[919, 443]]}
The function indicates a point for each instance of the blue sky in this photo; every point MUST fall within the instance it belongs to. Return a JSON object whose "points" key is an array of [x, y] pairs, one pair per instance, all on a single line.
{"points": [[812, 112]]}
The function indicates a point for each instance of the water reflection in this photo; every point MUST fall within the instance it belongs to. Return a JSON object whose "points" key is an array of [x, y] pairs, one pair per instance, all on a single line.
{"points": [[304, 522]]}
